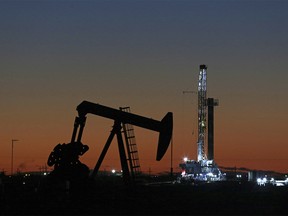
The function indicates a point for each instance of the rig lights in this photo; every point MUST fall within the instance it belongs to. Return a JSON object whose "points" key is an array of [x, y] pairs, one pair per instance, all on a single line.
{"points": [[264, 181], [261, 181], [210, 174], [183, 173]]}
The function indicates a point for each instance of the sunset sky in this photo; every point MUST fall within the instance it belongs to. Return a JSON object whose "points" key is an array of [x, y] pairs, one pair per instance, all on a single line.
{"points": [[144, 54]]}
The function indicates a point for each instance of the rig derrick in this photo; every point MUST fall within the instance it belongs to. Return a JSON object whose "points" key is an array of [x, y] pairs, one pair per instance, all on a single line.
{"points": [[205, 168]]}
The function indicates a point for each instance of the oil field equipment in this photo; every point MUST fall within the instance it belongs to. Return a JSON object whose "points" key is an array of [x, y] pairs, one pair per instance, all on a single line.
{"points": [[204, 168], [65, 157]]}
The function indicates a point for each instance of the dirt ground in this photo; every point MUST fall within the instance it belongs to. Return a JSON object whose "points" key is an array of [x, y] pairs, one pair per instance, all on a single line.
{"points": [[112, 197]]}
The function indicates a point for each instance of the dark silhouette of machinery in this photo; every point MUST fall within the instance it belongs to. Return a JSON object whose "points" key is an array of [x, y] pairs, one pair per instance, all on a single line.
{"points": [[131, 147], [65, 157]]}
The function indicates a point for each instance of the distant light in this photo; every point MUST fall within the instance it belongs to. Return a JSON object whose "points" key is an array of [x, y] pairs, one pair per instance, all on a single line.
{"points": [[113, 171], [261, 181], [185, 159], [44, 173], [209, 162]]}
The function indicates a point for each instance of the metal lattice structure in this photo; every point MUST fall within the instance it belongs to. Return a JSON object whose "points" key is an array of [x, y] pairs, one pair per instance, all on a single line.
{"points": [[202, 113], [131, 146], [204, 169]]}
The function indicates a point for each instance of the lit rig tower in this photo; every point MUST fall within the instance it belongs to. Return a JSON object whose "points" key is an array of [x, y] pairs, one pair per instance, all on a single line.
{"points": [[202, 110], [204, 169]]}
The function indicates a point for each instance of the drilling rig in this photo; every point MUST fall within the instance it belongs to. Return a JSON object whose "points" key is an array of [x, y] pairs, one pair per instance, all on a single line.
{"points": [[204, 168]]}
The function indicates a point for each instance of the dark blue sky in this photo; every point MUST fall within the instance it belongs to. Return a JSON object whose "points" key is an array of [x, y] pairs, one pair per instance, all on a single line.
{"points": [[143, 54]]}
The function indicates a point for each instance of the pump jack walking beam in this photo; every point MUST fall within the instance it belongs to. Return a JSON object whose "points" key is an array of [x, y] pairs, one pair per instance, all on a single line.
{"points": [[164, 127]]}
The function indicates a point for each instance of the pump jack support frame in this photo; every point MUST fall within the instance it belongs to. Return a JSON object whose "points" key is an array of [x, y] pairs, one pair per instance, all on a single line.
{"points": [[164, 127], [116, 130]]}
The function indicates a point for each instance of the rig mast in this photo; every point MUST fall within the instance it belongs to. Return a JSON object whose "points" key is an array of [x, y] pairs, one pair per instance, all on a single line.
{"points": [[204, 169], [202, 112]]}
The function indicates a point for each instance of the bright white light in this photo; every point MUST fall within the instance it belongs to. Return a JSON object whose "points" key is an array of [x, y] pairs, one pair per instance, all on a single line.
{"points": [[113, 171], [185, 159], [209, 162], [44, 173], [262, 181]]}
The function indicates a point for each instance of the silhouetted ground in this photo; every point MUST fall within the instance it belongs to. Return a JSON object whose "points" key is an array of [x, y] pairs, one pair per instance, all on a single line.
{"points": [[109, 196]]}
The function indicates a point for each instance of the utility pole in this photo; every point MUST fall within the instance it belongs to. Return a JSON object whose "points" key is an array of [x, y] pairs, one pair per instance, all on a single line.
{"points": [[171, 169], [13, 140]]}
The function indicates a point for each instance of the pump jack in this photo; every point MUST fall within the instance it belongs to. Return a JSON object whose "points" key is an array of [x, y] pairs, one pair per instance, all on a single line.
{"points": [[65, 157]]}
